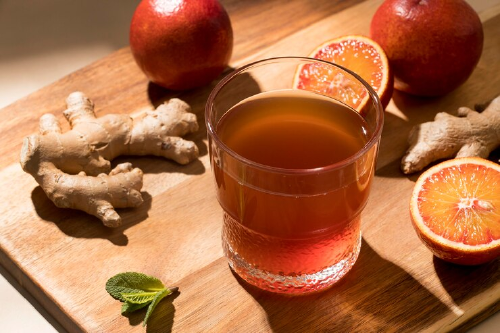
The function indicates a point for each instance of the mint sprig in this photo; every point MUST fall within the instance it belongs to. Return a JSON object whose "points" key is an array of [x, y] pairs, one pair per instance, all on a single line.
{"points": [[137, 291]]}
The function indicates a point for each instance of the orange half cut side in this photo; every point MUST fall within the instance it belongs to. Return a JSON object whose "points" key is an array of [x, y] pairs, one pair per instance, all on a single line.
{"points": [[359, 54], [455, 209]]}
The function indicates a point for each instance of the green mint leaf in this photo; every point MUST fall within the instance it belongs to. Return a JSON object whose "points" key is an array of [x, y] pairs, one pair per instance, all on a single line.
{"points": [[129, 307], [132, 282], [139, 298], [159, 296]]}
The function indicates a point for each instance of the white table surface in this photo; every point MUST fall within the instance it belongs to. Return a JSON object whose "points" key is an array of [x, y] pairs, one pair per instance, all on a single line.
{"points": [[40, 42]]}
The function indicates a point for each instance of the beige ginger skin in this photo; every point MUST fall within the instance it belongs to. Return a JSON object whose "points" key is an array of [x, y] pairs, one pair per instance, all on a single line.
{"points": [[73, 168], [470, 134]]}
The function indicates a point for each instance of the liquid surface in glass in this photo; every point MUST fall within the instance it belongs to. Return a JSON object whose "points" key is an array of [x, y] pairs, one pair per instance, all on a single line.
{"points": [[292, 130]]}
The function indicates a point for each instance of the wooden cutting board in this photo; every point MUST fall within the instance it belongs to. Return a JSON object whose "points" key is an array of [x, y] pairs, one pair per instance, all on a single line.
{"points": [[64, 257]]}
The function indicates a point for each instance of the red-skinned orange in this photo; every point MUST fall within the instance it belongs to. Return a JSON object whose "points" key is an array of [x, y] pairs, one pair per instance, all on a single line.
{"points": [[433, 46], [181, 44]]}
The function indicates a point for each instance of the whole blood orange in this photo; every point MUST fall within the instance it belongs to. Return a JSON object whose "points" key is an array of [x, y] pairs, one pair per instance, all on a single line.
{"points": [[432, 45], [359, 54], [455, 209], [181, 44]]}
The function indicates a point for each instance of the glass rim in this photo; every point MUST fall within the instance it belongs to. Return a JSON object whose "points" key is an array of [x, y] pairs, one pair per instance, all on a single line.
{"points": [[334, 166]]}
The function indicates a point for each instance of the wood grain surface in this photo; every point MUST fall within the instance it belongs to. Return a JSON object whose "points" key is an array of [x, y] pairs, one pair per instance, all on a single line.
{"points": [[64, 257]]}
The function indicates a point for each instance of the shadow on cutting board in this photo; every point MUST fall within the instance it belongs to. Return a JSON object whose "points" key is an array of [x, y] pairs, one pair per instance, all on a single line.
{"points": [[78, 224], [465, 282], [374, 296]]}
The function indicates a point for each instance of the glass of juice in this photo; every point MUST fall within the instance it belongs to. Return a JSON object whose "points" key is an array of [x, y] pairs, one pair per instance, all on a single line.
{"points": [[293, 164]]}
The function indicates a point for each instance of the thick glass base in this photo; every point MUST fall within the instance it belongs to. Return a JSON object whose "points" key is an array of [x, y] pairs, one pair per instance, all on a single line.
{"points": [[293, 285]]}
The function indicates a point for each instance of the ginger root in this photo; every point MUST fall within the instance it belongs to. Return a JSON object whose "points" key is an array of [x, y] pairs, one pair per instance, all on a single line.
{"points": [[470, 134], [73, 168]]}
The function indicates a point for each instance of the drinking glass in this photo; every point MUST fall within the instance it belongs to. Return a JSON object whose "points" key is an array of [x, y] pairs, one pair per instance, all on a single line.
{"points": [[292, 230]]}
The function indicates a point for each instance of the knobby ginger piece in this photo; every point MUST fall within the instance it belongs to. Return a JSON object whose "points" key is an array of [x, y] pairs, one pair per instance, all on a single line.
{"points": [[469, 134], [73, 168]]}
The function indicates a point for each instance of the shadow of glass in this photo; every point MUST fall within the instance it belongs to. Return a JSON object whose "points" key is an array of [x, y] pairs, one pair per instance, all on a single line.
{"points": [[78, 224], [376, 295], [464, 282]]}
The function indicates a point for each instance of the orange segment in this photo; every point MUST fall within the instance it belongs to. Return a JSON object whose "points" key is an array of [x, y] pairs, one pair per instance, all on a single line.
{"points": [[357, 53], [455, 209]]}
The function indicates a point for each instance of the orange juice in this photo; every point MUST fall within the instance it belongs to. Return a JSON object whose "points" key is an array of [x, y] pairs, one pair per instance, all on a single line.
{"points": [[284, 222]]}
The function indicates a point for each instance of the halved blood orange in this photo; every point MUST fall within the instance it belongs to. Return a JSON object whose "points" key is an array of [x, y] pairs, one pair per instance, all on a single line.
{"points": [[455, 209], [359, 54]]}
